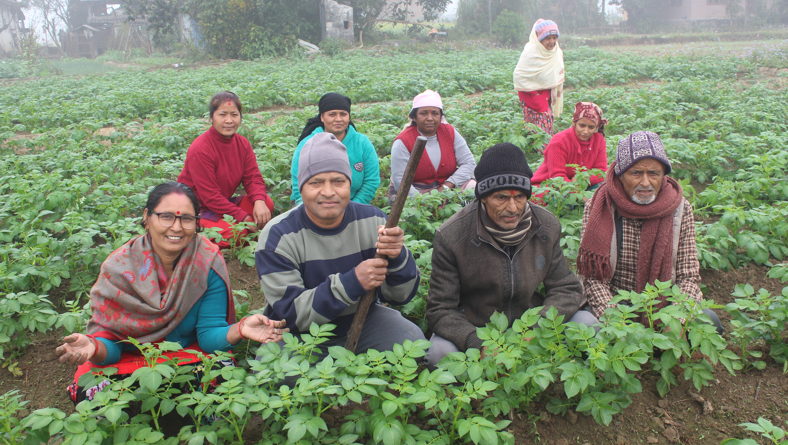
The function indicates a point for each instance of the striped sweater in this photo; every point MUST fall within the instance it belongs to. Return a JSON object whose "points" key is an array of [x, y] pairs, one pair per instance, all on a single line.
{"points": [[308, 273]]}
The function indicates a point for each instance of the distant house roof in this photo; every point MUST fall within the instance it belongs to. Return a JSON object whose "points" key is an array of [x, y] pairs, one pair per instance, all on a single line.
{"points": [[16, 6]]}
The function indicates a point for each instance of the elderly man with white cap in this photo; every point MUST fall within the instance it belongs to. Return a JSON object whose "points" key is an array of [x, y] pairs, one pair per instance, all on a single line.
{"points": [[639, 228], [447, 161], [318, 259]]}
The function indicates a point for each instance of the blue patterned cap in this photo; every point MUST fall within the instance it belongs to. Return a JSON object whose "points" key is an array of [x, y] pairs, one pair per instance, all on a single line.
{"points": [[545, 28], [637, 146]]}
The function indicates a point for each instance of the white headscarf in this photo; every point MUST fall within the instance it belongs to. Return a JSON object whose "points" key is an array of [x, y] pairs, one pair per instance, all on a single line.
{"points": [[541, 69]]}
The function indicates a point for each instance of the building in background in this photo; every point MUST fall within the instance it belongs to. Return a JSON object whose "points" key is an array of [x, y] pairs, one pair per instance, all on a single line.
{"points": [[12, 27], [695, 11], [104, 29], [336, 21]]}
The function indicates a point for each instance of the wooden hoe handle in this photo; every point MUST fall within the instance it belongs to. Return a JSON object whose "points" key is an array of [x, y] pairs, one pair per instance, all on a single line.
{"points": [[396, 211]]}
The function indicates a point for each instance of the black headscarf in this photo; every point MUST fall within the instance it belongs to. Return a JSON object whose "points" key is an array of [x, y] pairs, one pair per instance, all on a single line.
{"points": [[329, 102]]}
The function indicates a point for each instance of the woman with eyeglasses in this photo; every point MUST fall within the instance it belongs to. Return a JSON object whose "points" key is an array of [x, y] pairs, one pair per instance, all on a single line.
{"points": [[168, 284], [219, 161]]}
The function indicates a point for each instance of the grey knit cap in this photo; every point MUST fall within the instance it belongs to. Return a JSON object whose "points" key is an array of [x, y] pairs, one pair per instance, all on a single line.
{"points": [[323, 153], [638, 146]]}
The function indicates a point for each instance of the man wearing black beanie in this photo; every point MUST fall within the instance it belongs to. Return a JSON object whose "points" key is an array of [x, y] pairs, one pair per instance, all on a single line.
{"points": [[493, 255]]}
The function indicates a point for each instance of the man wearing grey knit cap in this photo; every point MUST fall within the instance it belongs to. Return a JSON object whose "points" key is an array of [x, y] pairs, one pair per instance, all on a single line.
{"points": [[318, 259]]}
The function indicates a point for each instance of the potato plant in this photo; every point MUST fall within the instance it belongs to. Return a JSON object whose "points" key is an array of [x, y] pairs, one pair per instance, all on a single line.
{"points": [[78, 157]]}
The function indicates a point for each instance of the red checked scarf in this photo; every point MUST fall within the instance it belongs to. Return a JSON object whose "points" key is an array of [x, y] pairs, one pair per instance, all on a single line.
{"points": [[655, 254], [591, 111], [133, 298]]}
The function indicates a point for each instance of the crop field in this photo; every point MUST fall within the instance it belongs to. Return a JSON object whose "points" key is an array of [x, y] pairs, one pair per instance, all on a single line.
{"points": [[78, 156]]}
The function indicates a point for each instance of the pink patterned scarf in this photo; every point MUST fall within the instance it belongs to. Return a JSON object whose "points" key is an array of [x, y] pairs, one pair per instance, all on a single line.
{"points": [[133, 298]]}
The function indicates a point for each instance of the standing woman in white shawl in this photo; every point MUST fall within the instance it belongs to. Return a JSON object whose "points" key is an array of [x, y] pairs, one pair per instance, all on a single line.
{"points": [[539, 76]]}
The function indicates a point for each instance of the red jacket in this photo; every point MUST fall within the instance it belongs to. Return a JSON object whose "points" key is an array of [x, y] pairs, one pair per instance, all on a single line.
{"points": [[214, 168], [426, 173], [565, 148]]}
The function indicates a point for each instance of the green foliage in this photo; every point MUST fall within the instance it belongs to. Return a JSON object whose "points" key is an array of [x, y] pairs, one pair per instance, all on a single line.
{"points": [[509, 28], [757, 318], [246, 29], [367, 12], [11, 429], [250, 29], [162, 16], [10, 68], [333, 47], [768, 430], [22, 314], [79, 156]]}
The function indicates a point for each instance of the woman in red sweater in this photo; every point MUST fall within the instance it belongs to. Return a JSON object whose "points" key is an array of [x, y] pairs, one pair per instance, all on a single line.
{"points": [[583, 144], [220, 160]]}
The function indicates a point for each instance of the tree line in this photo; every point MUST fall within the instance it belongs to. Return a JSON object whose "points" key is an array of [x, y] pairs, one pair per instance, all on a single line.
{"points": [[248, 29]]}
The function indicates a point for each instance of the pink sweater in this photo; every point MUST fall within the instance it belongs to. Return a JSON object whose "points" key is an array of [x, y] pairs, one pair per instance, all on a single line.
{"points": [[565, 148], [214, 168]]}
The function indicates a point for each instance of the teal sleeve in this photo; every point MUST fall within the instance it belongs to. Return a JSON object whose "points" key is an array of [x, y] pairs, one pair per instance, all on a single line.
{"points": [[114, 349], [212, 316], [369, 188], [295, 195]]}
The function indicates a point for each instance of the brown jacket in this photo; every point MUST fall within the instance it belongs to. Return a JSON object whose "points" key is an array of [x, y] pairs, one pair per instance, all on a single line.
{"points": [[472, 277]]}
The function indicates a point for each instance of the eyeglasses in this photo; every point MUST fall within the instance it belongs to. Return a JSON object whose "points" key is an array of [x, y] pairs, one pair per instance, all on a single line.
{"points": [[168, 219]]}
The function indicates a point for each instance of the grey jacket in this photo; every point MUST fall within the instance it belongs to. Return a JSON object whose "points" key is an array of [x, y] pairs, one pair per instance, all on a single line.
{"points": [[472, 277]]}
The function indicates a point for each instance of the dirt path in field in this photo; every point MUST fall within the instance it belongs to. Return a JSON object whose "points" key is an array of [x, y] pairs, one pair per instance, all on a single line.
{"points": [[624, 42], [677, 418]]}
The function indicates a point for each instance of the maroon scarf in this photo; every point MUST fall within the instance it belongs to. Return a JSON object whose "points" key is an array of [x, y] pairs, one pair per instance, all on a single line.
{"points": [[133, 298], [655, 254]]}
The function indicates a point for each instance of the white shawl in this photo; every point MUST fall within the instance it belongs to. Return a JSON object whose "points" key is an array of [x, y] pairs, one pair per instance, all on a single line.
{"points": [[540, 69]]}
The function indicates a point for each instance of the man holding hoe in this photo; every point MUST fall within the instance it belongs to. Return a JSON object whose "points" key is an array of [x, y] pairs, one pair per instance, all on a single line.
{"points": [[317, 260]]}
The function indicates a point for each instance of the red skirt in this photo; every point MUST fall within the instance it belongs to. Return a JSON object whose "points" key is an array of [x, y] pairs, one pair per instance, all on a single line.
{"points": [[209, 219], [543, 120], [128, 363]]}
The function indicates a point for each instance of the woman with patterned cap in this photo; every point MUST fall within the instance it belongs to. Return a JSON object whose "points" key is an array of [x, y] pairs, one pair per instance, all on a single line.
{"points": [[447, 161], [583, 144], [539, 76], [334, 117]]}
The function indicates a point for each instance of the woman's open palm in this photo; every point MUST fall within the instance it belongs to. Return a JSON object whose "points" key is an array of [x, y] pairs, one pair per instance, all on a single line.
{"points": [[261, 329], [77, 349]]}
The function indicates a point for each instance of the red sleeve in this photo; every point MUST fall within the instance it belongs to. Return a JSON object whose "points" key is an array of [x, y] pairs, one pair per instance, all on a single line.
{"points": [[252, 179], [600, 150], [538, 101], [556, 159], [205, 180]]}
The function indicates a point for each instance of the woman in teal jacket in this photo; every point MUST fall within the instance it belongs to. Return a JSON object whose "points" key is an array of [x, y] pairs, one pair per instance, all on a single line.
{"points": [[334, 117]]}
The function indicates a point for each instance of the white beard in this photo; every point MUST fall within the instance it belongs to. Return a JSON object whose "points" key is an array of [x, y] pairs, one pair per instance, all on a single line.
{"points": [[639, 201]]}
